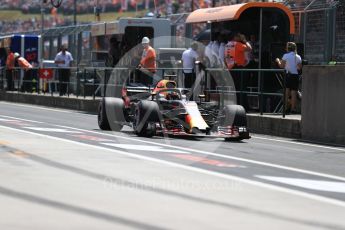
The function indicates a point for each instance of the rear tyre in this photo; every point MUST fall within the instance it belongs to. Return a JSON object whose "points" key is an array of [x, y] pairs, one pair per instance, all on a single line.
{"points": [[146, 115]]}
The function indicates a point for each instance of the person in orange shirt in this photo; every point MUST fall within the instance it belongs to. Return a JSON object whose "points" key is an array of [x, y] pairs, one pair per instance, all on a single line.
{"points": [[147, 64], [9, 69], [24, 64], [235, 52], [236, 58]]}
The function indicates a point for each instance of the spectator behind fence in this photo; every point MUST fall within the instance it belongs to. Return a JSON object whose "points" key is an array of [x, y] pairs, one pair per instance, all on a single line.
{"points": [[9, 68], [64, 61], [291, 62], [24, 64], [188, 60]]}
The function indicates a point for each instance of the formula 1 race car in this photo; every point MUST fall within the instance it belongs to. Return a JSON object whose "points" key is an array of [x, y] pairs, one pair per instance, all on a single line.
{"points": [[165, 110]]}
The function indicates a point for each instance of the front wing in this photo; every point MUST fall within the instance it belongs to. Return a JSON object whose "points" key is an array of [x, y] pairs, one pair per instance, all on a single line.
{"points": [[220, 132]]}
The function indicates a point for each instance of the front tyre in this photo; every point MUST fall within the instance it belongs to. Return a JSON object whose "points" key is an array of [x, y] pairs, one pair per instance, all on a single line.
{"points": [[102, 118], [111, 114], [235, 116]]}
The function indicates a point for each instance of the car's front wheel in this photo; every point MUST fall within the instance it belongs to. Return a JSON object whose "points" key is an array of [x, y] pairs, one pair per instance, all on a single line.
{"points": [[110, 114], [235, 115]]}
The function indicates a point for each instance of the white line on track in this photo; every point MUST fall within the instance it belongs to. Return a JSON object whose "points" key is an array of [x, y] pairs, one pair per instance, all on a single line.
{"points": [[194, 169], [299, 143], [149, 148], [20, 119], [329, 176], [319, 185], [54, 130], [45, 108], [283, 147], [218, 155]]}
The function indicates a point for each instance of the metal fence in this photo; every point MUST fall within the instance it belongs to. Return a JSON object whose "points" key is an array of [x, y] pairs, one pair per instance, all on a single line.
{"points": [[259, 90], [320, 28]]}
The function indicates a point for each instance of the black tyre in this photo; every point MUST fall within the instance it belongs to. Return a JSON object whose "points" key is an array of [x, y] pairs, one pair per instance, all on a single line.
{"points": [[103, 123], [110, 114], [238, 139], [146, 115], [234, 115]]}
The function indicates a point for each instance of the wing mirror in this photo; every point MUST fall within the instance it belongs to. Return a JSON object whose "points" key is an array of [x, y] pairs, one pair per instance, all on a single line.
{"points": [[153, 94]]}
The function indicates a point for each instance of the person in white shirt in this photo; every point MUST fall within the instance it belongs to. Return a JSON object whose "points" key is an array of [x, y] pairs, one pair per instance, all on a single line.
{"points": [[221, 51], [188, 62], [291, 62], [63, 60], [215, 52], [208, 53]]}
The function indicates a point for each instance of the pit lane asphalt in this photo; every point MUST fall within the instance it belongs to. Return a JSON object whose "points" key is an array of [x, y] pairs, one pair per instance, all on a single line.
{"points": [[59, 169], [254, 159]]}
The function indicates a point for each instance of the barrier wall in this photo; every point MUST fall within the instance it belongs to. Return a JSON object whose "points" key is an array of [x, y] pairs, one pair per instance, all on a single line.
{"points": [[323, 104], [80, 104], [274, 125]]}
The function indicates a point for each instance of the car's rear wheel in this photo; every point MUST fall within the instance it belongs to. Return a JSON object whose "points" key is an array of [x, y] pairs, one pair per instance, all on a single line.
{"points": [[146, 115]]}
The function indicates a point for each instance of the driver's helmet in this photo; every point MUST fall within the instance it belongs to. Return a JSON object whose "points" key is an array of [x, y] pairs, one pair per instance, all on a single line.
{"points": [[172, 96], [164, 84]]}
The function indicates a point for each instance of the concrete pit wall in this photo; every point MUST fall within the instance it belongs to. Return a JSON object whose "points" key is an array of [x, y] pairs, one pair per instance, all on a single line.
{"points": [[80, 104], [323, 104]]}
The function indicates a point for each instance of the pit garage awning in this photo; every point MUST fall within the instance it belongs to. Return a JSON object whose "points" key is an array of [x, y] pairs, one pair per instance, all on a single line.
{"points": [[233, 12]]}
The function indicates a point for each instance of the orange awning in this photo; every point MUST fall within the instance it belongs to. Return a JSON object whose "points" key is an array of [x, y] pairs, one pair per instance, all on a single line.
{"points": [[233, 12]]}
